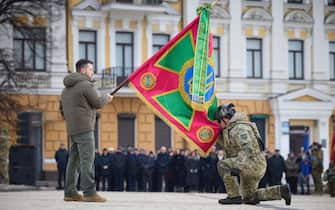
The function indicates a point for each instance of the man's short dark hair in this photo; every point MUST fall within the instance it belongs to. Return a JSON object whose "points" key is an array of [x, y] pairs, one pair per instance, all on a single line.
{"points": [[82, 63]]}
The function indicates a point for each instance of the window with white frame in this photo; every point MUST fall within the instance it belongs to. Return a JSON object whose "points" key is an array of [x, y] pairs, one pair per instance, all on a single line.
{"points": [[296, 59], [332, 60], [254, 58], [158, 41], [331, 2], [30, 49], [216, 55], [124, 53], [88, 46]]}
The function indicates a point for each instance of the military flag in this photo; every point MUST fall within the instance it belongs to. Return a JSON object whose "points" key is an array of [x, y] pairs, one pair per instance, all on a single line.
{"points": [[178, 83]]}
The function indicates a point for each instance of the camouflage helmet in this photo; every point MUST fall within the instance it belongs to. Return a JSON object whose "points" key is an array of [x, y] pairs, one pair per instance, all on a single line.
{"points": [[225, 111]]}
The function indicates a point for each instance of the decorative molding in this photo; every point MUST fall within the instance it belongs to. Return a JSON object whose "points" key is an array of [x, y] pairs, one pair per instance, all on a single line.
{"points": [[257, 14], [88, 5], [298, 17]]}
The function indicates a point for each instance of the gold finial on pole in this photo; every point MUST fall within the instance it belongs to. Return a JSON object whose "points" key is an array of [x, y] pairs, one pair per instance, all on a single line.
{"points": [[214, 3]]}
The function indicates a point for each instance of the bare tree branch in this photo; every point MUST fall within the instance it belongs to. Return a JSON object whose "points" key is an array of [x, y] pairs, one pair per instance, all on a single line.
{"points": [[10, 13]]}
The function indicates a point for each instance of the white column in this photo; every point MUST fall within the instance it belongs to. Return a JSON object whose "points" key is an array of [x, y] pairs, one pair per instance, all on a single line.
{"points": [[279, 48], [224, 53], [189, 10], [101, 46], [320, 44], [323, 127], [237, 48], [284, 136], [58, 60], [75, 42], [112, 34], [266, 55], [58, 66], [138, 44], [308, 58], [149, 37]]}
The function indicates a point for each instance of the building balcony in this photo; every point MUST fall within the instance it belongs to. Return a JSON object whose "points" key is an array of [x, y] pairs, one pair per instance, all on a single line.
{"points": [[137, 7], [110, 78]]}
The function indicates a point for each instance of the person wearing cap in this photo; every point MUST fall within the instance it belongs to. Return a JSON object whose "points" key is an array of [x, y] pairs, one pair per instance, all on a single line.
{"points": [[244, 157]]}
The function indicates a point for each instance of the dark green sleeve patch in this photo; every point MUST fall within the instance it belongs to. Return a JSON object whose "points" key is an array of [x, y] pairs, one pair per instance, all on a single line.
{"points": [[244, 136]]}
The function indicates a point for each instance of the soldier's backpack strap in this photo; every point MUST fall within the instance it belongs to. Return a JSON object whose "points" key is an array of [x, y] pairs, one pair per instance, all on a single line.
{"points": [[259, 138]]}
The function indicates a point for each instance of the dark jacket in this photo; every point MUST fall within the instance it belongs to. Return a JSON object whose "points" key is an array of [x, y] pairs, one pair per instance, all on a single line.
{"points": [[162, 163], [277, 166], [292, 167], [61, 157], [148, 165], [105, 165], [79, 101], [131, 165], [97, 165], [179, 164], [192, 166]]}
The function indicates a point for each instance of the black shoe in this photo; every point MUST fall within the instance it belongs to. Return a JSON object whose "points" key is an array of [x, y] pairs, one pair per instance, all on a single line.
{"points": [[228, 201], [285, 193], [254, 201]]}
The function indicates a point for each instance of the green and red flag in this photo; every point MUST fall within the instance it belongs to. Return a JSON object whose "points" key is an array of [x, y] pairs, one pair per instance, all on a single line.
{"points": [[178, 84]]}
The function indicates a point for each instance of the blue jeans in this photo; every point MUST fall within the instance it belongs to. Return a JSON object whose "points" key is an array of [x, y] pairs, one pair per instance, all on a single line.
{"points": [[304, 179]]}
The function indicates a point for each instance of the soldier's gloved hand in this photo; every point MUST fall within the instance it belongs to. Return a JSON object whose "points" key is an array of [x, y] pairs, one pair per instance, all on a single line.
{"points": [[235, 172]]}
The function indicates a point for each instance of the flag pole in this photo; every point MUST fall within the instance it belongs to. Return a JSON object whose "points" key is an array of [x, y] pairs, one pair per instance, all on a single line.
{"points": [[123, 83]]}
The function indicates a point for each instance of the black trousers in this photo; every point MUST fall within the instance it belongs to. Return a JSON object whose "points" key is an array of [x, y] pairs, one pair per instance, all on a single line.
{"points": [[293, 182], [61, 175]]}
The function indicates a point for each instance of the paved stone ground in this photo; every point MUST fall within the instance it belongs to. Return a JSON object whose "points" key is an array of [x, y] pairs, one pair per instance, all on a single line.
{"points": [[52, 200]]}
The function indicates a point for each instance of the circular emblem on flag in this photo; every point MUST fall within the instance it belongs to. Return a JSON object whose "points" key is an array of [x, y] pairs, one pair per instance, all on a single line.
{"points": [[205, 134], [186, 82], [148, 81]]}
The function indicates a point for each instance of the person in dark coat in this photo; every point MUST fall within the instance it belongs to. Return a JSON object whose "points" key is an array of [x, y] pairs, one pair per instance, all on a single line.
{"points": [[179, 167], [292, 172], [97, 169], [61, 157], [141, 157], [265, 181], [277, 168], [171, 174], [118, 163], [131, 170], [192, 165], [207, 173], [148, 166], [220, 188], [161, 168], [105, 168]]}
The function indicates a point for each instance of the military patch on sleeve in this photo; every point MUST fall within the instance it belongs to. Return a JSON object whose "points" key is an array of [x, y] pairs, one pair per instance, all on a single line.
{"points": [[243, 136]]}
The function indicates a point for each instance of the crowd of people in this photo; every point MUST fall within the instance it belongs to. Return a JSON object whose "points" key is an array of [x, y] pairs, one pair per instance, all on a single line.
{"points": [[132, 169]]}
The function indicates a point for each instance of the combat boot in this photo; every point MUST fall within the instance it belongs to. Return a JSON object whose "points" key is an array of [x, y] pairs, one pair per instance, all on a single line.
{"points": [[251, 201], [94, 198], [229, 201], [74, 197], [285, 193]]}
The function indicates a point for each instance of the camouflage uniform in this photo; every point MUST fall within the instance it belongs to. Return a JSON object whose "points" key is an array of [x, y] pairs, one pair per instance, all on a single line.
{"points": [[3, 157], [242, 154], [317, 169], [330, 177]]}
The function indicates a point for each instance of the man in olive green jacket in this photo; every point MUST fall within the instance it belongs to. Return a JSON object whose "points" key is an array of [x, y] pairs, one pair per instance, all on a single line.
{"points": [[79, 101]]}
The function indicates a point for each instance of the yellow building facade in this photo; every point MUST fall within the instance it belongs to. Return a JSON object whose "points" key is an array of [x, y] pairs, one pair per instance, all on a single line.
{"points": [[273, 100]]}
